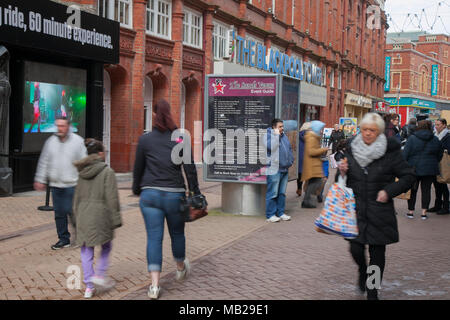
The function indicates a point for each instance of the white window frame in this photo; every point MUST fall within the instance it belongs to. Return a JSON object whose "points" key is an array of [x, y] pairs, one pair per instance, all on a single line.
{"points": [[148, 104], [219, 37], [332, 78], [188, 26], [110, 13], [159, 15], [340, 80]]}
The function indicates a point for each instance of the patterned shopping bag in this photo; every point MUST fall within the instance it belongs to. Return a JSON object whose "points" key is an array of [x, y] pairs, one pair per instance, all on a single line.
{"points": [[338, 215]]}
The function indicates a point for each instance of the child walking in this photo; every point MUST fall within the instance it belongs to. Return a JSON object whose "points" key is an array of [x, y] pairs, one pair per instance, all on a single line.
{"points": [[97, 213]]}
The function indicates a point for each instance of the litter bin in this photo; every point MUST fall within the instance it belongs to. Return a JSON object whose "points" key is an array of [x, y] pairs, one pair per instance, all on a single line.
{"points": [[6, 182]]}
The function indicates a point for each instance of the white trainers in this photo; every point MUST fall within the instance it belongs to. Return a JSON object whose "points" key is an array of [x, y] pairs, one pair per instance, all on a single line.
{"points": [[153, 292], [89, 293], [103, 282], [285, 217], [273, 219], [181, 275]]}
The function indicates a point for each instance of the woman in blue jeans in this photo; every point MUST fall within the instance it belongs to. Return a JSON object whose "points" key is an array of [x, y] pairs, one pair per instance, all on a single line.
{"points": [[160, 183]]}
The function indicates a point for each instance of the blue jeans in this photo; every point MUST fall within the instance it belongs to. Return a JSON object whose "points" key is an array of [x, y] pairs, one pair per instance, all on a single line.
{"points": [[155, 206], [62, 203], [276, 194]]}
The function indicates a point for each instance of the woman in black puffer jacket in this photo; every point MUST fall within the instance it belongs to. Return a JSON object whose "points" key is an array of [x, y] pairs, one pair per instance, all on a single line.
{"points": [[373, 163], [423, 151]]}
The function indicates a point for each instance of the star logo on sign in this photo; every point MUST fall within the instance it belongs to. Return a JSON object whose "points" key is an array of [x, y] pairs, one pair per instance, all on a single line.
{"points": [[219, 86]]}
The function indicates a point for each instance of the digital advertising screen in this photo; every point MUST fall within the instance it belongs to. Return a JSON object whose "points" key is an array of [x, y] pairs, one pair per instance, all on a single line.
{"points": [[44, 102], [51, 91]]}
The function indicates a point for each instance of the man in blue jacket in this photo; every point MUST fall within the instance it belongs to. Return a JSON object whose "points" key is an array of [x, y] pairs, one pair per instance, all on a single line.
{"points": [[281, 157]]}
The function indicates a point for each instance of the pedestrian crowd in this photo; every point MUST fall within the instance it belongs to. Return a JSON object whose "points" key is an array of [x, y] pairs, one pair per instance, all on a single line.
{"points": [[381, 162]]}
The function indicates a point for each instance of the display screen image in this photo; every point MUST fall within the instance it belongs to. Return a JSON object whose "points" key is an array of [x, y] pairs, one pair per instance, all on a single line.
{"points": [[44, 102]]}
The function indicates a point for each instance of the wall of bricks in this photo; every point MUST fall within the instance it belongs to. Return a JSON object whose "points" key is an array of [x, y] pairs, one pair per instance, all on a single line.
{"points": [[332, 33], [411, 66]]}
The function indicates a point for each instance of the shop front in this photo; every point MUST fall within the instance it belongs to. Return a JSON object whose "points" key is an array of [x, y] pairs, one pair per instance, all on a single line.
{"points": [[52, 61], [356, 106], [409, 108], [312, 100]]}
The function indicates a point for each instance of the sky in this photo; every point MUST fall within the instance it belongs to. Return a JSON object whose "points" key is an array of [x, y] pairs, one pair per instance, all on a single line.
{"points": [[398, 11]]}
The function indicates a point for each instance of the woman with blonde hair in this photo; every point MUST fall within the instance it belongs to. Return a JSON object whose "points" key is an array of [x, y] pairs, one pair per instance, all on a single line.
{"points": [[371, 165]]}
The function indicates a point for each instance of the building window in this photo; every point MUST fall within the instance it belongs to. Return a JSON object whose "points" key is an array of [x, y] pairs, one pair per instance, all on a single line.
{"points": [[118, 10], [159, 17], [332, 78], [192, 29], [220, 40], [340, 80]]}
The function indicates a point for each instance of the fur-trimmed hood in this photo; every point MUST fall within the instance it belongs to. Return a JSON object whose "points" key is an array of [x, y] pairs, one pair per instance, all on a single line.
{"points": [[90, 166]]}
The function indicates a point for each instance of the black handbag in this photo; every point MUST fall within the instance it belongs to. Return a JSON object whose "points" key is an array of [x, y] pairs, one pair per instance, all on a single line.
{"points": [[193, 207]]}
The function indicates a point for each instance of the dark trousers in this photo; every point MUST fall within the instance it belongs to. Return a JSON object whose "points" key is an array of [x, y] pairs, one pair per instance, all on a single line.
{"points": [[62, 203], [442, 195], [377, 257], [312, 190], [299, 181], [425, 187]]}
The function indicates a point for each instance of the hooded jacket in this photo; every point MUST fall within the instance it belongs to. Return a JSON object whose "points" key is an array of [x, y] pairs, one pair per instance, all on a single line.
{"points": [[281, 145], [96, 202], [423, 151]]}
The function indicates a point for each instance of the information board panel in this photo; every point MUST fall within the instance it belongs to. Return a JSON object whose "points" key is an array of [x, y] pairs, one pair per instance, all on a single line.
{"points": [[237, 106], [289, 113]]}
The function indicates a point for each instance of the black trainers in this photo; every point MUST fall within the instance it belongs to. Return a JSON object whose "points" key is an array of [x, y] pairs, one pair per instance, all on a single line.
{"points": [[307, 206], [319, 198], [60, 245]]}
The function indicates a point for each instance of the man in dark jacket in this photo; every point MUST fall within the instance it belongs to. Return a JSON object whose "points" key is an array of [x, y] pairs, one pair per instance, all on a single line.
{"points": [[336, 136], [441, 205], [279, 151]]}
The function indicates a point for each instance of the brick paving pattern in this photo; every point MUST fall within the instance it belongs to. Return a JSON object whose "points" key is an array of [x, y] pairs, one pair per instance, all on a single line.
{"points": [[232, 257]]}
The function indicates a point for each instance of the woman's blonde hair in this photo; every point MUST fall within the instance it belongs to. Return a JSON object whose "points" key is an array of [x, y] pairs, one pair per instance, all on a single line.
{"points": [[373, 118]]}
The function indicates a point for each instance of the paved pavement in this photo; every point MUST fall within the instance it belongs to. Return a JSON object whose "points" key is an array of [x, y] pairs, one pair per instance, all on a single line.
{"points": [[232, 257]]}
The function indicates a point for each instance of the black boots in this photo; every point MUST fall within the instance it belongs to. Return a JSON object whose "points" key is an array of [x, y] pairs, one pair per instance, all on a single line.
{"points": [[372, 294], [362, 282]]}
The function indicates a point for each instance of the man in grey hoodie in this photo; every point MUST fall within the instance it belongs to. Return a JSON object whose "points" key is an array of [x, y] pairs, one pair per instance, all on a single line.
{"points": [[56, 168]]}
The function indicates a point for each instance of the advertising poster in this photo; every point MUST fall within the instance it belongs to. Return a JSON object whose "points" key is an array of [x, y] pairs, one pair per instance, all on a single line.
{"points": [[290, 105], [349, 126], [241, 105]]}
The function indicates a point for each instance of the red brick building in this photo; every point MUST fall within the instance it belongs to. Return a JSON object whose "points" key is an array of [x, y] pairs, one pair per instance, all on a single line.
{"points": [[168, 46], [413, 58]]}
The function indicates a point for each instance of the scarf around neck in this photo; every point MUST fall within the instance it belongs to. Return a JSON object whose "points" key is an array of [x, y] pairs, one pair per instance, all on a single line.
{"points": [[365, 154], [442, 134]]}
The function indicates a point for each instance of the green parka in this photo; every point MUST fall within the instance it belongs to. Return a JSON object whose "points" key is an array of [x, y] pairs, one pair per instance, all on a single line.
{"points": [[96, 202]]}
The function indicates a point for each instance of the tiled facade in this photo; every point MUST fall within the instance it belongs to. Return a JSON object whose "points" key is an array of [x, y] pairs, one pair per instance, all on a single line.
{"points": [[334, 34]]}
